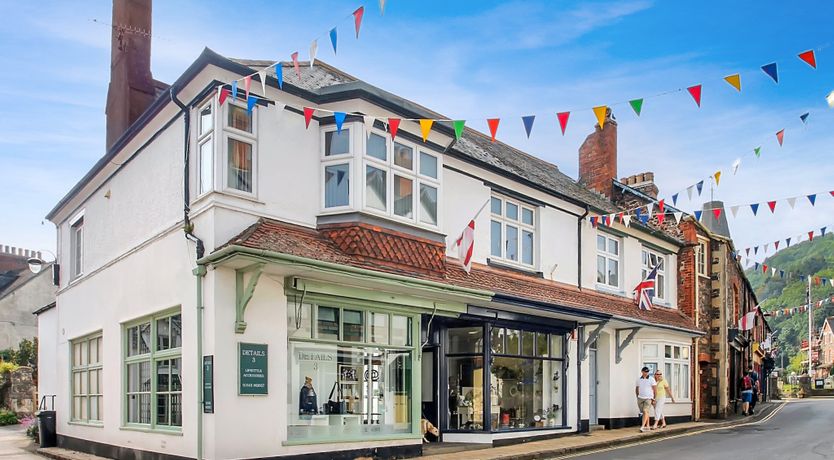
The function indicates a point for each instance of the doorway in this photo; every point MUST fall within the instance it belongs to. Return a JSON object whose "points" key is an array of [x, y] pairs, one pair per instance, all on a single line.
{"points": [[593, 383], [430, 402]]}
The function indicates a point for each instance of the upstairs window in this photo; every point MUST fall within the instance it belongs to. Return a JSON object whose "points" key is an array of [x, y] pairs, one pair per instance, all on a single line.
{"points": [[77, 247], [701, 258], [649, 260], [608, 261], [336, 165], [512, 231], [240, 134], [205, 147]]}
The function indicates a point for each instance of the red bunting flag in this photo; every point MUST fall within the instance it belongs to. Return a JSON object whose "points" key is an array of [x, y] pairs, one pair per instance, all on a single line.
{"points": [[716, 212], [831, 192], [660, 218], [224, 93], [563, 121], [295, 64], [660, 205], [357, 18], [620, 216], [780, 136], [247, 83], [811, 235], [493, 126], [809, 58], [772, 206], [308, 115], [393, 125], [695, 92], [764, 268], [776, 245]]}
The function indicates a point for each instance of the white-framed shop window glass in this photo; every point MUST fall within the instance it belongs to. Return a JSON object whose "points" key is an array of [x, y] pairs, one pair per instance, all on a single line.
{"points": [[512, 230], [648, 260], [86, 379], [240, 146], [608, 260], [336, 159], [205, 149], [673, 362], [401, 180]]}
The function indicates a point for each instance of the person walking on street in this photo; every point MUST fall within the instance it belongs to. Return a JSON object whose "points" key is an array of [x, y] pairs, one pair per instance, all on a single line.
{"points": [[663, 389], [746, 393], [755, 377], [646, 392]]}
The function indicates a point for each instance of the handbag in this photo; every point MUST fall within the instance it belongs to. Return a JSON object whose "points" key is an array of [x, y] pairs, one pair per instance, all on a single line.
{"points": [[335, 407]]}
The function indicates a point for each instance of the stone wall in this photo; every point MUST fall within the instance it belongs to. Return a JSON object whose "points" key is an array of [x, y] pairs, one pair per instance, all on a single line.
{"points": [[18, 391]]}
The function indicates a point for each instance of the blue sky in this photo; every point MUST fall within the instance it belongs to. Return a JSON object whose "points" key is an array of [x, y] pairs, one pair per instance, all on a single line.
{"points": [[468, 60]]}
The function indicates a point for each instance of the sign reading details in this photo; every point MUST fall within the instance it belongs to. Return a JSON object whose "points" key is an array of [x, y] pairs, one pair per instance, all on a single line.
{"points": [[208, 384], [252, 358]]}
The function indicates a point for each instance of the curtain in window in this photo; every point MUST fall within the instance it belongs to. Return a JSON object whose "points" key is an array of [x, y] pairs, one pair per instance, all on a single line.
{"points": [[240, 166]]}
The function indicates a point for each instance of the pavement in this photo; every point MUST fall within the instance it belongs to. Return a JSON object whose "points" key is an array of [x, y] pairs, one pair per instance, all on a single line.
{"points": [[602, 440], [14, 445]]}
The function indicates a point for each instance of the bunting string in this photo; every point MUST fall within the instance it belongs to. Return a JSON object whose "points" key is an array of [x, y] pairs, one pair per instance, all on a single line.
{"points": [[782, 243], [787, 312]]}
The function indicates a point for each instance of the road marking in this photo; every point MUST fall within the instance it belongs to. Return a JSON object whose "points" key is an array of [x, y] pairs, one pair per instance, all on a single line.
{"points": [[666, 438]]}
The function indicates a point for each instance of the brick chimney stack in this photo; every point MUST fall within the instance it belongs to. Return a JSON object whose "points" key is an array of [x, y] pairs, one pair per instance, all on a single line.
{"points": [[598, 157], [131, 88], [643, 182]]}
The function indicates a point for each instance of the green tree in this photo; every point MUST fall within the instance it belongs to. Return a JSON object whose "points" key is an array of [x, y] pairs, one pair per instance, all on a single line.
{"points": [[796, 364]]}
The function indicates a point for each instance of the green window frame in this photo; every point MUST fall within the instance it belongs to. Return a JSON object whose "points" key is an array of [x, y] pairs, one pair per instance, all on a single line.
{"points": [[152, 370], [86, 379]]}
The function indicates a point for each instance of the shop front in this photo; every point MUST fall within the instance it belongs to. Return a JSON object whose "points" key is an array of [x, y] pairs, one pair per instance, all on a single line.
{"points": [[498, 374]]}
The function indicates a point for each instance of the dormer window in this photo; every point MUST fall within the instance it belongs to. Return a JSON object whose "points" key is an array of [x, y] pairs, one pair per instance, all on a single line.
{"points": [[240, 141]]}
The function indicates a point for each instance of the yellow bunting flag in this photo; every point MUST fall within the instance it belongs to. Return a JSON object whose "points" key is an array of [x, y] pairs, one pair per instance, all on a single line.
{"points": [[734, 80], [425, 127], [717, 177], [600, 113]]}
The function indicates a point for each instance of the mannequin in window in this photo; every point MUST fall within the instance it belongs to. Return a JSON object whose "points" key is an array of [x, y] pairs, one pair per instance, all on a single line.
{"points": [[308, 402]]}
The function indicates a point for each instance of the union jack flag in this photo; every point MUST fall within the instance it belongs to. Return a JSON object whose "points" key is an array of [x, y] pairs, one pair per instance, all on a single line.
{"points": [[645, 290]]}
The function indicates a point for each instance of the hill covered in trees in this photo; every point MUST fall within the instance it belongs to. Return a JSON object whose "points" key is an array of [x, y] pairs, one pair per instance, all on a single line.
{"points": [[815, 258]]}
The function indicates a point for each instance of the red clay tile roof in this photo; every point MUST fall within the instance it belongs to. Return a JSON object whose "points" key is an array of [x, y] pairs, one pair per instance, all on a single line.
{"points": [[276, 236]]}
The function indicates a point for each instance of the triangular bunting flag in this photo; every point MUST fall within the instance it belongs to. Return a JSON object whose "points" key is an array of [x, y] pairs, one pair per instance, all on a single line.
{"points": [[804, 117], [765, 247], [458, 125], [736, 164], [620, 216], [593, 221], [493, 126], [340, 119], [772, 206], [563, 120], [689, 191], [314, 49], [755, 250], [425, 128], [780, 136], [811, 235], [812, 199], [791, 202], [717, 177], [368, 122], [599, 111], [250, 103], [393, 125], [757, 151], [809, 58], [333, 39], [661, 205], [262, 77], [776, 245], [627, 220], [764, 269], [770, 70], [382, 7], [294, 57], [308, 115], [822, 231], [224, 93], [247, 85], [698, 216], [661, 217], [700, 186], [781, 273], [234, 89], [755, 208], [788, 241], [678, 216], [734, 81], [695, 92], [279, 75], [734, 210], [756, 266], [717, 213], [675, 199], [636, 105], [649, 210], [357, 19], [747, 250], [528, 123]]}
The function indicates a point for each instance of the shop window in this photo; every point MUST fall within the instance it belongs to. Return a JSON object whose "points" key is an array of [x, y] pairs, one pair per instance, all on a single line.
{"points": [[86, 380], [466, 393], [673, 361], [153, 371], [350, 378], [466, 339], [512, 231]]}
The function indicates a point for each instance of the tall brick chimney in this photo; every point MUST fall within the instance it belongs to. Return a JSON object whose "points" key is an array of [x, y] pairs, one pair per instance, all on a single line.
{"points": [[598, 157], [131, 88]]}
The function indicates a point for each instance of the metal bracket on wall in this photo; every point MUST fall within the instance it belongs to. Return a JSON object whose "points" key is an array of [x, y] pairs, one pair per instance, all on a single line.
{"points": [[621, 346], [244, 295], [592, 336]]}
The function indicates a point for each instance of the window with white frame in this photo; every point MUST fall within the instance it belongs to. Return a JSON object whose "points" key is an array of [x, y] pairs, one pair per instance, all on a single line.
{"points": [[608, 260], [649, 260], [512, 230], [86, 380], [77, 247], [240, 133], [205, 149], [336, 160], [401, 180], [153, 371], [701, 258], [673, 362]]}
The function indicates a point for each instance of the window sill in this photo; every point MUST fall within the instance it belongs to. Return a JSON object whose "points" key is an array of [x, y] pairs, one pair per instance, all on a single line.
{"points": [[606, 289], [147, 429], [703, 275], [89, 424], [526, 269], [237, 194]]}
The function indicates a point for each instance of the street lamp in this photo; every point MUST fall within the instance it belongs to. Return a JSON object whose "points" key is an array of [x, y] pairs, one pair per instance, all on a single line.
{"points": [[36, 264]]}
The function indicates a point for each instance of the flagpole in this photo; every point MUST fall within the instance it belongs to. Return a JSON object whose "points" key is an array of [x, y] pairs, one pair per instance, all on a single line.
{"points": [[810, 325], [483, 206]]}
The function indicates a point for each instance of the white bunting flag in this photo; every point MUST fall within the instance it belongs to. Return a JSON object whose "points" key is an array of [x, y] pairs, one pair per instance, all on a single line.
{"points": [[314, 48], [382, 7], [689, 192], [627, 220], [791, 202], [649, 209], [831, 281], [262, 76], [369, 123], [736, 164], [678, 217], [734, 210], [772, 271], [765, 247]]}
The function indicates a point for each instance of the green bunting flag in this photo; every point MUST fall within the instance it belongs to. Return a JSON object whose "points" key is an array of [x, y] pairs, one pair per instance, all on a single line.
{"points": [[637, 105], [757, 151], [458, 124]]}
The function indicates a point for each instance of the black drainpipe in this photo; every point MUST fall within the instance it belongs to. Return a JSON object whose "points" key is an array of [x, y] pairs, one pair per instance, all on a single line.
{"points": [[579, 247], [187, 226]]}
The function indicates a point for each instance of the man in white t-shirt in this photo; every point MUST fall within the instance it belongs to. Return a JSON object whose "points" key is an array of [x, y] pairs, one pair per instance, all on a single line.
{"points": [[646, 391]]}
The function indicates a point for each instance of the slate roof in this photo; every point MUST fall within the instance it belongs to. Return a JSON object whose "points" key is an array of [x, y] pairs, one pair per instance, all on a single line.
{"points": [[284, 238]]}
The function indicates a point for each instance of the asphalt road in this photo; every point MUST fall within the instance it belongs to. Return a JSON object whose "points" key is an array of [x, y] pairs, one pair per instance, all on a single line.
{"points": [[800, 430]]}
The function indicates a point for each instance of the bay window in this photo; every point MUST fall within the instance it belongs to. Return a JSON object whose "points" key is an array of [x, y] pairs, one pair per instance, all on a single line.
{"points": [[240, 134], [649, 260], [673, 362], [512, 231], [205, 142], [336, 163], [608, 261]]}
